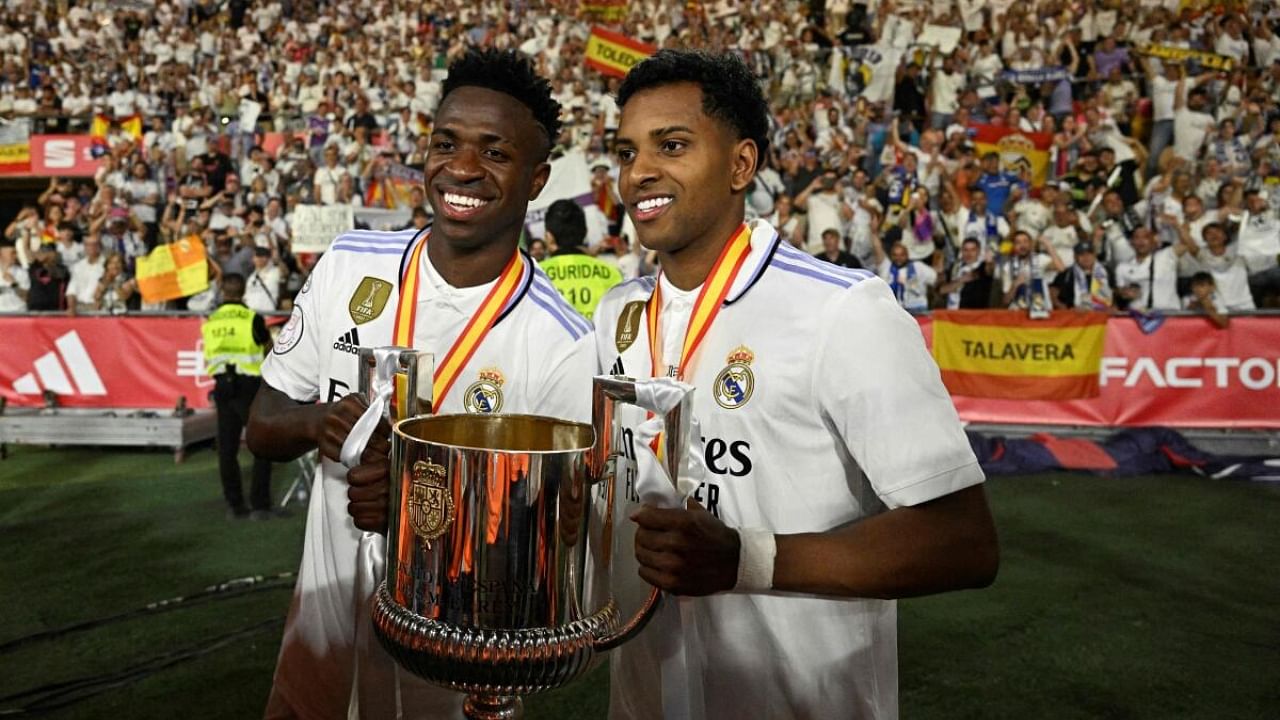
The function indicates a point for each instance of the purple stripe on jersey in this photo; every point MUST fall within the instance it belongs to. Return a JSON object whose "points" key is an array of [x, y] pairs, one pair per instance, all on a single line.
{"points": [[367, 249], [573, 332], [549, 294], [382, 241], [804, 259], [810, 272], [646, 280]]}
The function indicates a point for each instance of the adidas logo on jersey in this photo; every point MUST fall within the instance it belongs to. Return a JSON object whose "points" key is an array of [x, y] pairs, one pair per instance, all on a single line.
{"points": [[349, 342]]}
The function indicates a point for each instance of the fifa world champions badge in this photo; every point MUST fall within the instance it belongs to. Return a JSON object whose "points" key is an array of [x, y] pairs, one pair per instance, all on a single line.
{"points": [[736, 382]]}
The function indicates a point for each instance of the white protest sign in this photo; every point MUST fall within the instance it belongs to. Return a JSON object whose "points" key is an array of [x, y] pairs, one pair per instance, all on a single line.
{"points": [[944, 38], [315, 226]]}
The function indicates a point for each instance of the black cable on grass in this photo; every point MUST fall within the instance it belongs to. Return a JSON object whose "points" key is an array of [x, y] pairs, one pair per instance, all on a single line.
{"points": [[234, 588], [61, 694]]}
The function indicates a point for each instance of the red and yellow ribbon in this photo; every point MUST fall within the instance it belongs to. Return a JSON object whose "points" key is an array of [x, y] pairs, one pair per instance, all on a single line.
{"points": [[504, 290], [705, 308]]}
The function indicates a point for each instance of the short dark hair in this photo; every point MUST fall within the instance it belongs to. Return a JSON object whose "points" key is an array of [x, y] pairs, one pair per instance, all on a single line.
{"points": [[510, 73], [730, 92], [568, 223], [1201, 278], [233, 284]]}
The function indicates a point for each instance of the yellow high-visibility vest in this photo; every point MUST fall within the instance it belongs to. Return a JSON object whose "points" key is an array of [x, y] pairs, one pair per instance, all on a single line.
{"points": [[581, 279], [228, 340]]}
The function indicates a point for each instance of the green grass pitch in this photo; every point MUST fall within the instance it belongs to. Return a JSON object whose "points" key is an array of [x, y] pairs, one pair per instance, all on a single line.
{"points": [[1150, 597]]}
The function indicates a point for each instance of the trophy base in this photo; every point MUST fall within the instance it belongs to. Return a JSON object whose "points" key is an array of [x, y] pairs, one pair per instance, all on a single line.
{"points": [[489, 663], [492, 707]]}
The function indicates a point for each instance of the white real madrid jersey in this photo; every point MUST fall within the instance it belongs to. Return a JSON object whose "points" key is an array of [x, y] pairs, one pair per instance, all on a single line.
{"points": [[538, 359], [819, 405]]}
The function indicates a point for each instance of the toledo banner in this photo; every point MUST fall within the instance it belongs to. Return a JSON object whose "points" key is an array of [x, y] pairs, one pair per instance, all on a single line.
{"points": [[174, 271], [15, 146], [614, 54], [1002, 354], [1017, 150]]}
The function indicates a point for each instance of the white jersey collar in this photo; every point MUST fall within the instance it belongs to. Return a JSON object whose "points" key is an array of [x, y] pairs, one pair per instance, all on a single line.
{"points": [[764, 242]]}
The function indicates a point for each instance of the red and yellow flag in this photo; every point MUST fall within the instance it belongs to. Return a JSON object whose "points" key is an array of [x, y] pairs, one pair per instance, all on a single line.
{"points": [[1006, 355], [132, 125], [98, 134], [1017, 149], [614, 54], [173, 271]]}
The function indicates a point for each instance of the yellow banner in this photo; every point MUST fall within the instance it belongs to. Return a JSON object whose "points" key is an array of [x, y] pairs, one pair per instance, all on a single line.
{"points": [[608, 11], [1213, 61], [174, 271], [614, 54], [1002, 354], [1018, 351]]}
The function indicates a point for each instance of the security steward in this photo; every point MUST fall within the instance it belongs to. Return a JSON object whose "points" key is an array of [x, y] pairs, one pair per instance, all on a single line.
{"points": [[580, 278], [235, 341]]}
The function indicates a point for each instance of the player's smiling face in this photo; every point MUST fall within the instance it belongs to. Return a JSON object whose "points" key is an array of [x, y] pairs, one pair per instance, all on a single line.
{"points": [[484, 166], [678, 169]]}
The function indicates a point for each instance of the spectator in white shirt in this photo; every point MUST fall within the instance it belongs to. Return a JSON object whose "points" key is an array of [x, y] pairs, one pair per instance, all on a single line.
{"points": [[14, 281], [122, 102], [1191, 124], [1026, 271], [85, 274], [910, 280], [329, 177], [1259, 245], [262, 287], [1150, 280], [1230, 276], [1204, 298]]}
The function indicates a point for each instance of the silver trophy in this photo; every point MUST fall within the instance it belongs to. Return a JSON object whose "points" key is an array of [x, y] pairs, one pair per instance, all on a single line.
{"points": [[404, 367], [499, 549]]}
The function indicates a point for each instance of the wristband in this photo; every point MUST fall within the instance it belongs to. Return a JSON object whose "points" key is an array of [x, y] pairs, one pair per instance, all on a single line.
{"points": [[756, 553]]}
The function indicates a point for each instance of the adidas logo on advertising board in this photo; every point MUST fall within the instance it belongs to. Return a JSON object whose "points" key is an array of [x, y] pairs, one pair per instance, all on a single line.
{"points": [[49, 374], [349, 342]]}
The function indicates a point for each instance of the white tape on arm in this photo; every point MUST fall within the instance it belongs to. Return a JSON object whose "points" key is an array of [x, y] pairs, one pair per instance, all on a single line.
{"points": [[756, 553]]}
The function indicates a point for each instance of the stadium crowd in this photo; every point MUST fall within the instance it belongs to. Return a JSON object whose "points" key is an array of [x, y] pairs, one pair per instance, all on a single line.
{"points": [[1161, 189]]}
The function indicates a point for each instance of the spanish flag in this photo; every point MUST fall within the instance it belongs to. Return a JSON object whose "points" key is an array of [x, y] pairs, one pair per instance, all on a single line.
{"points": [[98, 135], [132, 125], [1006, 355], [614, 54]]}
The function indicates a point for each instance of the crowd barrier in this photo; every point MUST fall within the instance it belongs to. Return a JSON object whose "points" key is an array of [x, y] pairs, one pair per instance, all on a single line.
{"points": [[1185, 374]]}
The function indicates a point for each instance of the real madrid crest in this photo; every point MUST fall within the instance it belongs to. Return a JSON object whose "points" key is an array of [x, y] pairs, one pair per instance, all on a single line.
{"points": [[485, 394], [736, 382], [430, 502]]}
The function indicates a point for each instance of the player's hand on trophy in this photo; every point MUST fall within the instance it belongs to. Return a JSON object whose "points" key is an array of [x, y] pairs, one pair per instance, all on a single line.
{"points": [[337, 426], [686, 552], [368, 493]]}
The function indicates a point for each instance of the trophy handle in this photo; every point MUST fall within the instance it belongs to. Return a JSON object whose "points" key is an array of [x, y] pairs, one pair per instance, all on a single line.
{"points": [[606, 394], [414, 373]]}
